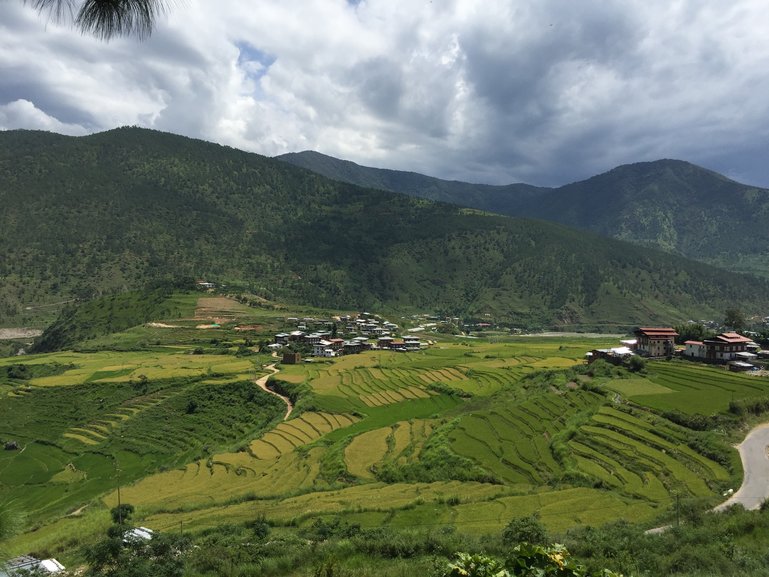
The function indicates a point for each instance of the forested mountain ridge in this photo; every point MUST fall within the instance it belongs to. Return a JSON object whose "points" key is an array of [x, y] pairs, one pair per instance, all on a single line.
{"points": [[500, 199], [114, 210], [669, 204]]}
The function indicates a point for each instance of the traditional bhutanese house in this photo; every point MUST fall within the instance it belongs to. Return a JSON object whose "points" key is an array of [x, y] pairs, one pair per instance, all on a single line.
{"points": [[655, 341], [694, 349], [312, 339], [336, 344], [291, 358], [352, 347], [398, 345], [615, 356], [319, 349], [412, 343], [384, 342], [282, 338], [725, 347]]}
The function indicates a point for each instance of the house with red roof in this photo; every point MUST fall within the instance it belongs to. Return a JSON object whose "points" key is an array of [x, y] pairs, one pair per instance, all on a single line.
{"points": [[655, 341], [726, 347]]}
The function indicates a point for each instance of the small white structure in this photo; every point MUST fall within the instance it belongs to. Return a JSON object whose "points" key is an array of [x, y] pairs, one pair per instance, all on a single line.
{"points": [[27, 564], [138, 534]]}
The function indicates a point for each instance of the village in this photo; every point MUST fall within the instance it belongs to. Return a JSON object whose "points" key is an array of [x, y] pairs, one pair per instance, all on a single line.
{"points": [[319, 338], [735, 351]]}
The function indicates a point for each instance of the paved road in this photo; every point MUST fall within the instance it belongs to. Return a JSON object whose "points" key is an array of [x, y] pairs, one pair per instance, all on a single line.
{"points": [[755, 464]]}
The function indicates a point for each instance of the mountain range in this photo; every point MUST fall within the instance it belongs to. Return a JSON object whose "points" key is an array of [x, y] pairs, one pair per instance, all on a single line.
{"points": [[672, 205], [116, 210]]}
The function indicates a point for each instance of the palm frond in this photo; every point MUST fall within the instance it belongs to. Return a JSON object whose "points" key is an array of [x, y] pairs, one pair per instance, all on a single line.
{"points": [[56, 10], [106, 19]]}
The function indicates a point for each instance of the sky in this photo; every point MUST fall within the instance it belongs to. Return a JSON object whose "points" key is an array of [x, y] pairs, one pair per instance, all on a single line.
{"points": [[545, 92]]}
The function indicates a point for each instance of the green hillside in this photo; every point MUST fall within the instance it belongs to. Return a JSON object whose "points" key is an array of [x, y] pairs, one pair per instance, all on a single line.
{"points": [[112, 211], [672, 205], [668, 204]]}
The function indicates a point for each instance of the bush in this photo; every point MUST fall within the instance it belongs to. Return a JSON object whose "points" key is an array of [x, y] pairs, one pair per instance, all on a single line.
{"points": [[525, 530]]}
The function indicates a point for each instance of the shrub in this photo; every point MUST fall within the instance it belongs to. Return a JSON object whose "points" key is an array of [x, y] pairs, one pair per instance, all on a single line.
{"points": [[525, 530]]}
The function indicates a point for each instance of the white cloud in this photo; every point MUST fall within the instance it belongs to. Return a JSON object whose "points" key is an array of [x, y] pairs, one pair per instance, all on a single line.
{"points": [[492, 90], [23, 114]]}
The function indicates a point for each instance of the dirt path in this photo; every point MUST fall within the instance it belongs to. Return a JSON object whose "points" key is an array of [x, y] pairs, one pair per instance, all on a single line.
{"points": [[755, 464], [262, 383]]}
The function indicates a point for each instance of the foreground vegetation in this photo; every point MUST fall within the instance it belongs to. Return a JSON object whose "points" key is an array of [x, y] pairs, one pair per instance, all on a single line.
{"points": [[406, 458]]}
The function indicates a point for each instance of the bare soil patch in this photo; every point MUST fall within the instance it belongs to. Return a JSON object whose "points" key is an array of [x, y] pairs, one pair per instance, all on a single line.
{"points": [[19, 333], [218, 309]]}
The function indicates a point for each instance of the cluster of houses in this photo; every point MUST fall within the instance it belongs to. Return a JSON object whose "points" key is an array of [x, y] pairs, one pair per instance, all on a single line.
{"points": [[730, 348], [361, 330]]}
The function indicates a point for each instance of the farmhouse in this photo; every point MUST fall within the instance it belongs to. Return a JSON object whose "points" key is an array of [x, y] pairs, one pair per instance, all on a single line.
{"points": [[726, 347], [615, 355], [323, 349], [694, 349], [655, 342]]}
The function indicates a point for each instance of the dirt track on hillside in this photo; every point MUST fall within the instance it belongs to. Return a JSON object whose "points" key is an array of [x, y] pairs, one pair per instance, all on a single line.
{"points": [[262, 383]]}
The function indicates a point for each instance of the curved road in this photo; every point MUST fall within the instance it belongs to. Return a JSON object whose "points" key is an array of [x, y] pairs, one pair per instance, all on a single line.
{"points": [[262, 383], [755, 464]]}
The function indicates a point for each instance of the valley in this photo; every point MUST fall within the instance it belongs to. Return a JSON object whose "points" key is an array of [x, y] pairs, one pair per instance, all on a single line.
{"points": [[161, 279], [465, 434]]}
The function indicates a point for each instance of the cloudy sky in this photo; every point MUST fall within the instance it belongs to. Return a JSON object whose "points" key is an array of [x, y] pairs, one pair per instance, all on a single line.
{"points": [[493, 91]]}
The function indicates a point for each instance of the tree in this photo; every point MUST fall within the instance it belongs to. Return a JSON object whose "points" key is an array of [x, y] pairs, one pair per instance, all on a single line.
{"points": [[734, 319], [122, 513], [525, 530], [105, 19], [114, 556], [636, 364]]}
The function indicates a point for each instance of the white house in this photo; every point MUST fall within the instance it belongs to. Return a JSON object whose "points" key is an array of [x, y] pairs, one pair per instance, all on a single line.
{"points": [[323, 349], [694, 349]]}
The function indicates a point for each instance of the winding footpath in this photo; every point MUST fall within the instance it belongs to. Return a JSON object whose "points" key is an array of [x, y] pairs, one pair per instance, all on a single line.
{"points": [[755, 464], [262, 383]]}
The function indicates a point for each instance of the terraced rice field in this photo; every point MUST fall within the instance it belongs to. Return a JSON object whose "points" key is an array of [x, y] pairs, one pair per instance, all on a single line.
{"points": [[270, 466], [122, 367], [400, 443], [694, 388], [513, 440], [214, 460]]}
